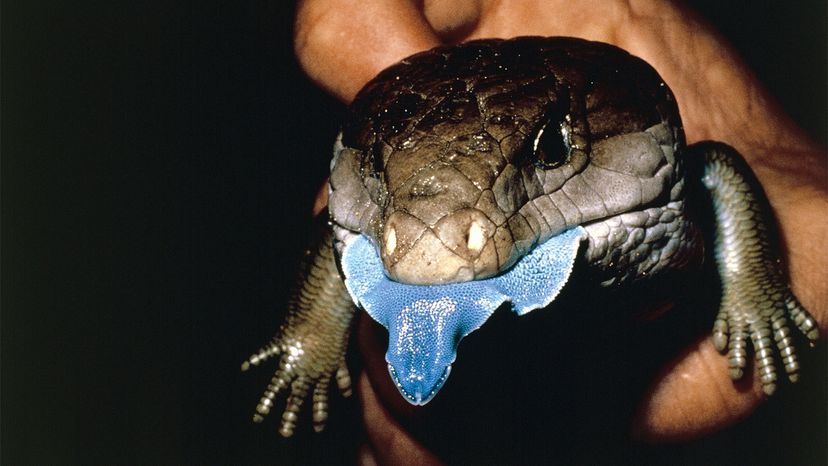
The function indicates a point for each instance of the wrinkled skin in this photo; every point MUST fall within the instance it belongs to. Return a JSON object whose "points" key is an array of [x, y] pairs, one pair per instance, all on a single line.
{"points": [[723, 102], [457, 162]]}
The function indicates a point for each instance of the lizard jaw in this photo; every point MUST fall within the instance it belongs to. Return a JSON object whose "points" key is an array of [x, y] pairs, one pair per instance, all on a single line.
{"points": [[426, 322]]}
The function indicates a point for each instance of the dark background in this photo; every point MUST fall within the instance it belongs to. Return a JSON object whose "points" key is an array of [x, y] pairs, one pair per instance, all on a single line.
{"points": [[159, 160]]}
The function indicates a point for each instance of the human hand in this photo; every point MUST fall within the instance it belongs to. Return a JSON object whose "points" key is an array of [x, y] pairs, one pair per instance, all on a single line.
{"points": [[342, 45]]}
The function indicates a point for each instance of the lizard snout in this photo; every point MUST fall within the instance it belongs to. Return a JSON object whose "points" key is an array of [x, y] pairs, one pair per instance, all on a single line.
{"points": [[460, 247]]}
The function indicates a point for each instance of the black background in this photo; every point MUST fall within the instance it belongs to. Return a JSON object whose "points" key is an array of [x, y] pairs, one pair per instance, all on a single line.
{"points": [[159, 160]]}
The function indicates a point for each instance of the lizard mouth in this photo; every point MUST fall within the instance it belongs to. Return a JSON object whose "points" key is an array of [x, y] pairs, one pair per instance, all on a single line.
{"points": [[426, 322]]}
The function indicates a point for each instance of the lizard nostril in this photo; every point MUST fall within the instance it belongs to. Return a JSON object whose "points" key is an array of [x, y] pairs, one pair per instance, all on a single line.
{"points": [[476, 237], [390, 240]]}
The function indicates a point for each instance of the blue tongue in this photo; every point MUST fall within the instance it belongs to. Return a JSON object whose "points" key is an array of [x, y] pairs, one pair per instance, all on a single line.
{"points": [[427, 322]]}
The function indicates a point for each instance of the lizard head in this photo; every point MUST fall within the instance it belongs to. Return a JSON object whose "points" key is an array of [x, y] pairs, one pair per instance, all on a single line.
{"points": [[457, 164], [458, 161]]}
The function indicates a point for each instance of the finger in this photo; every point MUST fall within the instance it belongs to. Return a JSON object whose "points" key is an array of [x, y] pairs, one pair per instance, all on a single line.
{"points": [[388, 440], [453, 20], [265, 353], [763, 354], [280, 380], [694, 396], [366, 455], [721, 330], [737, 345], [343, 379], [802, 319], [785, 344], [321, 200], [298, 392], [341, 44], [320, 404]]}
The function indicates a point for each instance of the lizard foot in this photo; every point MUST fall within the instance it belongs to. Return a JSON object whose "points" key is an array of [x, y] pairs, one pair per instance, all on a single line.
{"points": [[756, 300], [294, 374], [311, 343], [765, 321]]}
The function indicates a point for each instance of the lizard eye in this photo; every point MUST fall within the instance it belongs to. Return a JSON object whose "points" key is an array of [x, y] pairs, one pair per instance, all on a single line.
{"points": [[551, 147]]}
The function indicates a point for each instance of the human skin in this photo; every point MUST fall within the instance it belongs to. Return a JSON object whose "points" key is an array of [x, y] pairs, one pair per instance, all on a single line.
{"points": [[342, 44]]}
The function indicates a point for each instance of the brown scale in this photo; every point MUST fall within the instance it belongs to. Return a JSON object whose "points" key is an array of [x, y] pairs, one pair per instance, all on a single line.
{"points": [[603, 101], [755, 294], [311, 343]]}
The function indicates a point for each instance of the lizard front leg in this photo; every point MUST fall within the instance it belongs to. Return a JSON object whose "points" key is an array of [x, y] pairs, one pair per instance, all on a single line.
{"points": [[757, 302], [312, 341]]}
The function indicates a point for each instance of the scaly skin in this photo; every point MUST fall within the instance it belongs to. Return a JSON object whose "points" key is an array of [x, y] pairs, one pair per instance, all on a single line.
{"points": [[756, 300], [312, 341], [444, 147], [439, 166]]}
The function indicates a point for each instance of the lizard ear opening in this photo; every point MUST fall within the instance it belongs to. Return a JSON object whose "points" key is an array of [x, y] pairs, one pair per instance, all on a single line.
{"points": [[552, 146]]}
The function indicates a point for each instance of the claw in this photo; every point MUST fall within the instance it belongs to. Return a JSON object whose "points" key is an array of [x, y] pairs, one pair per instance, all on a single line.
{"points": [[720, 332], [343, 379]]}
